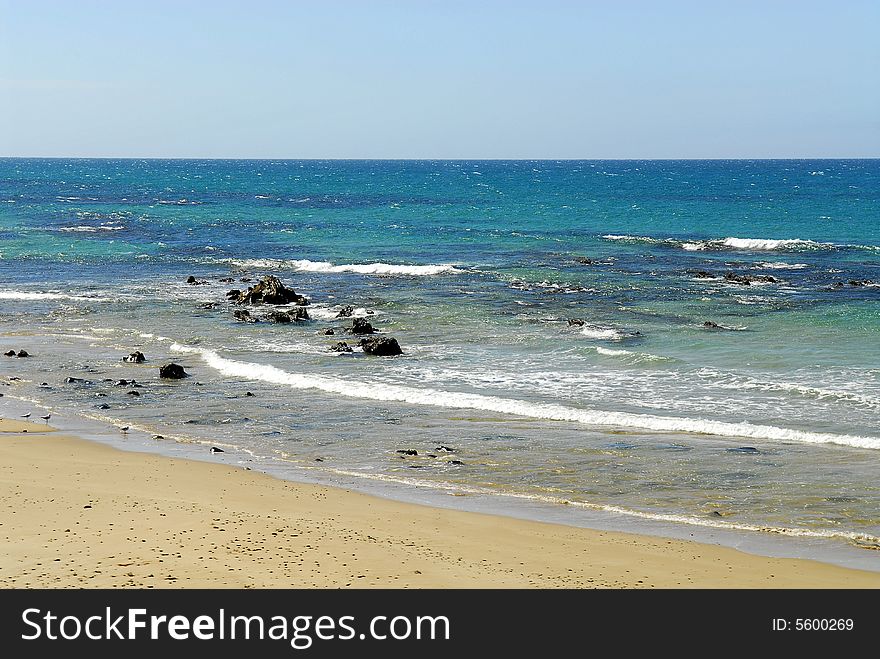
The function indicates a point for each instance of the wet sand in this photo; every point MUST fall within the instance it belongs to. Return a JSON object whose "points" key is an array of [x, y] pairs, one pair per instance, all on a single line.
{"points": [[75, 513]]}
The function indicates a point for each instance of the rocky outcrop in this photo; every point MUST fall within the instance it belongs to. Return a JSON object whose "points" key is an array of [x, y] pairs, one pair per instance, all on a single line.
{"points": [[269, 290], [192, 281], [9, 353], [340, 346], [23, 353], [575, 322], [172, 371], [746, 280], [710, 324], [137, 357], [346, 312], [327, 331], [361, 326], [294, 315], [381, 346]]}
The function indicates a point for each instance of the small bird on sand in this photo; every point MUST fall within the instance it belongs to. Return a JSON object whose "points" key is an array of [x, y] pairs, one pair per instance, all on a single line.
{"points": [[26, 416], [46, 417], [124, 429], [214, 449]]}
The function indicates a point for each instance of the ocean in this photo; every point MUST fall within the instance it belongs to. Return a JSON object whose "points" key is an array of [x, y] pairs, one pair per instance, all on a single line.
{"points": [[689, 344]]}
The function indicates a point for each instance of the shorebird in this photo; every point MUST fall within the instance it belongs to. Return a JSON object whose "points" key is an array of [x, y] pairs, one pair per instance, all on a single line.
{"points": [[46, 417], [25, 416], [214, 449], [124, 429]]}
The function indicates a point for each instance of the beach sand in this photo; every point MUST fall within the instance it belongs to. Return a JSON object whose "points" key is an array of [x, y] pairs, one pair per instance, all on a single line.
{"points": [[75, 513]]}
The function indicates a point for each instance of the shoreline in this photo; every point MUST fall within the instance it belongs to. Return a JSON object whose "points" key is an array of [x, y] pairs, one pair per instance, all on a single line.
{"points": [[78, 513]]}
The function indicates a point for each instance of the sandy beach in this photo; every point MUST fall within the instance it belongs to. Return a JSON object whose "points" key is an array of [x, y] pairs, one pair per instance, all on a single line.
{"points": [[75, 513]]}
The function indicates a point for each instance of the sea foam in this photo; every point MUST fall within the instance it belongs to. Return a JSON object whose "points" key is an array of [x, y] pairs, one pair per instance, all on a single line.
{"points": [[305, 265], [460, 400]]}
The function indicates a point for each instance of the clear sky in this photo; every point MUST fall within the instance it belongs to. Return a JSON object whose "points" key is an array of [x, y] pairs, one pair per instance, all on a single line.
{"points": [[440, 79]]}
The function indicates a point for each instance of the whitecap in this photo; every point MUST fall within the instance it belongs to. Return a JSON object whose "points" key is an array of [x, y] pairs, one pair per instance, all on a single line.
{"points": [[374, 390]]}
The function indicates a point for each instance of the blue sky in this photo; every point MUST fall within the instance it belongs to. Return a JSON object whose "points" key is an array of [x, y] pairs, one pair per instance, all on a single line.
{"points": [[444, 79]]}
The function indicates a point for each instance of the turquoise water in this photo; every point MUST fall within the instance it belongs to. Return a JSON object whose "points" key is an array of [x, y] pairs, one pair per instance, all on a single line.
{"points": [[767, 422]]}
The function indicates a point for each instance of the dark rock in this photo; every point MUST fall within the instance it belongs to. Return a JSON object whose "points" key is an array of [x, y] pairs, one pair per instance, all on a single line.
{"points": [[210, 306], [9, 353], [245, 279], [248, 394], [584, 260], [172, 371], [381, 346], [102, 406], [341, 346], [133, 392], [100, 394], [319, 459], [327, 331], [244, 316], [191, 280], [743, 449], [299, 314], [575, 322], [279, 317], [269, 290], [444, 449], [361, 326], [345, 312], [770, 279], [702, 274], [123, 383], [75, 381], [234, 294], [715, 513], [455, 462], [227, 280], [137, 357], [734, 278], [860, 282], [711, 325], [158, 437], [431, 455], [407, 451], [22, 353]]}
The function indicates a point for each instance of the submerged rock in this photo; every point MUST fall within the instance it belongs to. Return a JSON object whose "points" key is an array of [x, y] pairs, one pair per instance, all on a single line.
{"points": [[575, 322], [244, 316], [734, 278], [361, 326], [345, 312], [709, 324], [327, 331], [407, 451], [22, 353], [382, 346], [9, 353], [76, 381], [269, 290], [341, 346], [137, 357], [172, 371]]}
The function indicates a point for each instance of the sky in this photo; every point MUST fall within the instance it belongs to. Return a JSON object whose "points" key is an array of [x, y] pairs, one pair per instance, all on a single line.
{"points": [[440, 79]]}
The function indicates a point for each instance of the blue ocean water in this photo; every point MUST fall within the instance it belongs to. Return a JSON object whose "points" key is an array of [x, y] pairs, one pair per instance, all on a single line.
{"points": [[694, 342]]}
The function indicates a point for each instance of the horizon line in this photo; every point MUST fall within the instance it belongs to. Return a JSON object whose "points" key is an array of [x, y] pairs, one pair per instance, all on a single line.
{"points": [[429, 159]]}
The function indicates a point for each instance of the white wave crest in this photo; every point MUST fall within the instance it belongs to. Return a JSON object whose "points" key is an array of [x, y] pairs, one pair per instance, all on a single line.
{"points": [[91, 229], [780, 265], [449, 399], [29, 295], [746, 244], [304, 265]]}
